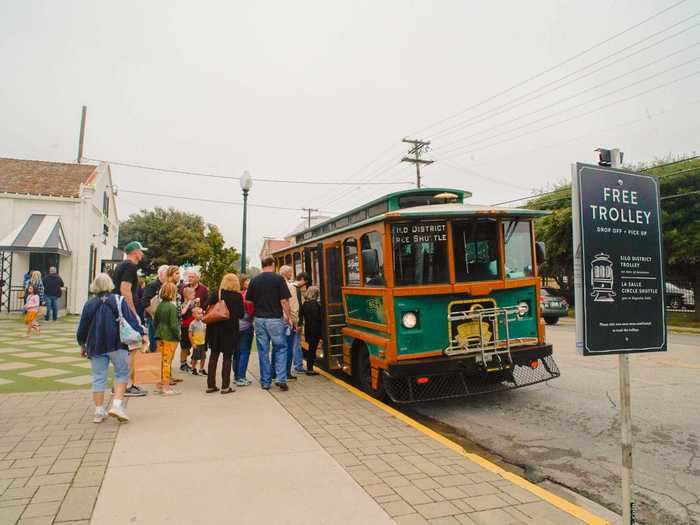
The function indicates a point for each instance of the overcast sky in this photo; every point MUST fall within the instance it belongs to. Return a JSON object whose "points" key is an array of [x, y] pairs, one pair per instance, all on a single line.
{"points": [[325, 90]]}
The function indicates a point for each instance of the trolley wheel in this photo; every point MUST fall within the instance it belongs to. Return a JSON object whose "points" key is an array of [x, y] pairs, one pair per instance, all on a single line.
{"points": [[551, 320], [363, 375]]}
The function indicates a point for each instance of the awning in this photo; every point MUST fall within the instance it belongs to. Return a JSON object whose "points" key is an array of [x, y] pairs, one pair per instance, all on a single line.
{"points": [[39, 234]]}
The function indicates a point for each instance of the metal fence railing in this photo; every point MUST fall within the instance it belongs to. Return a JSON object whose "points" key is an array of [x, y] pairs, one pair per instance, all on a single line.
{"points": [[16, 301]]}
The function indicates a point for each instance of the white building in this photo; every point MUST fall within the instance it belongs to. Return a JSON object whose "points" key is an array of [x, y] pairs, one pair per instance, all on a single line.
{"points": [[55, 214]]}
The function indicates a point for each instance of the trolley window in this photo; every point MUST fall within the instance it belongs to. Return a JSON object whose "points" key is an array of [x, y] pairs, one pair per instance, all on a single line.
{"points": [[352, 263], [518, 247], [297, 263], [288, 259], [372, 259], [420, 252], [476, 250]]}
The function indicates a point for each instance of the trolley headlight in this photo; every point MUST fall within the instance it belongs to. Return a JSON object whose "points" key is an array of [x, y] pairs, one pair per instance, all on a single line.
{"points": [[523, 308], [409, 320]]}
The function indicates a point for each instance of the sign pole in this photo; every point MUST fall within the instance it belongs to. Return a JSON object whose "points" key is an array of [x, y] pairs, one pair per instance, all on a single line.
{"points": [[625, 409]]}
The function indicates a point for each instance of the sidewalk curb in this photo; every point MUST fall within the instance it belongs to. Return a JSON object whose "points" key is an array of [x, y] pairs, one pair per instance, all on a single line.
{"points": [[549, 497]]}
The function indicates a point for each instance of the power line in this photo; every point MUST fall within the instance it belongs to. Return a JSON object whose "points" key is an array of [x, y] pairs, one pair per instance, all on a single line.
{"points": [[419, 146], [199, 199], [599, 97], [552, 68], [604, 106], [213, 176], [680, 195], [601, 84]]}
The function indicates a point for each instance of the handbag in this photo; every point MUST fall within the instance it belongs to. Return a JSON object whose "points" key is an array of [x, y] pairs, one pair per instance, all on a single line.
{"points": [[147, 367], [217, 313], [127, 334]]}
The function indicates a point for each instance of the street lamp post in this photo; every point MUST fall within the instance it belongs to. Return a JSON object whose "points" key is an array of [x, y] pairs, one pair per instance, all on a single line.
{"points": [[246, 185]]}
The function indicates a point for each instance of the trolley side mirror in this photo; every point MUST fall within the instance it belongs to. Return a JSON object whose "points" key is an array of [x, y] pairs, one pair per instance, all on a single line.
{"points": [[540, 252]]}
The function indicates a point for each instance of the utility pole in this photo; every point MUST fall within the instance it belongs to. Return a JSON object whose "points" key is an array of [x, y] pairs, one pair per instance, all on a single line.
{"points": [[419, 146], [308, 217], [81, 140]]}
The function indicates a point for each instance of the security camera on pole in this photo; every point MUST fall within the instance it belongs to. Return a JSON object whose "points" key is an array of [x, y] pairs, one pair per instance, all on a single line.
{"points": [[618, 276]]}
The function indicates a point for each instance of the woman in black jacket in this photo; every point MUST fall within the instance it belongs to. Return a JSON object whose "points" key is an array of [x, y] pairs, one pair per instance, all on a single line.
{"points": [[311, 318], [223, 337]]}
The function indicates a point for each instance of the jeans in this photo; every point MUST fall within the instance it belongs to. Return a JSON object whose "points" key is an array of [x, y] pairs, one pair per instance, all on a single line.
{"points": [[271, 331], [298, 353], [245, 342], [100, 364], [51, 307], [291, 338], [151, 334]]}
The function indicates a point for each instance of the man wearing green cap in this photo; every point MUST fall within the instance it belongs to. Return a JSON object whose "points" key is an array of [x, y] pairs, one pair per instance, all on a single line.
{"points": [[126, 282]]}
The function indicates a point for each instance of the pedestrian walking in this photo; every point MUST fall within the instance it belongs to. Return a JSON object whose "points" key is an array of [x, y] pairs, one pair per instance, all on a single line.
{"points": [[246, 336], [167, 335], [149, 303], [292, 319], [53, 289], [126, 281], [223, 336], [98, 337], [270, 295], [31, 310], [311, 319]]}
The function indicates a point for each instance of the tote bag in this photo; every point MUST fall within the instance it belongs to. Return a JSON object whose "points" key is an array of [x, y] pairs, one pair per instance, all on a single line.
{"points": [[127, 334], [217, 313], [147, 368]]}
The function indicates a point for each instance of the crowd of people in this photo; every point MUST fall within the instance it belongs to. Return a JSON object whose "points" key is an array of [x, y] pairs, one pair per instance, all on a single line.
{"points": [[172, 311]]}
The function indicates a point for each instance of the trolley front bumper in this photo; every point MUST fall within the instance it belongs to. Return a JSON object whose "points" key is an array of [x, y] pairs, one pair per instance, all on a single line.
{"points": [[464, 375]]}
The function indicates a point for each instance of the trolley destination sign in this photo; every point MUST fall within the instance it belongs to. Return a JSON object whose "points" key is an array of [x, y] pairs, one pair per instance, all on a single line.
{"points": [[618, 261]]}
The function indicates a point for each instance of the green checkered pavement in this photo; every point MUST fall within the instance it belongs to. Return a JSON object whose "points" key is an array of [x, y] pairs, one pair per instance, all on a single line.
{"points": [[49, 361]]}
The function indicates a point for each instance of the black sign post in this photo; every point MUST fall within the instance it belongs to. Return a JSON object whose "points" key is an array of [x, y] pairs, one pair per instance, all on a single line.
{"points": [[619, 278], [620, 260]]}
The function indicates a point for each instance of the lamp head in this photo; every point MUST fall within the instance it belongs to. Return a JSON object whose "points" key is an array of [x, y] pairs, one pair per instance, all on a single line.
{"points": [[246, 181]]}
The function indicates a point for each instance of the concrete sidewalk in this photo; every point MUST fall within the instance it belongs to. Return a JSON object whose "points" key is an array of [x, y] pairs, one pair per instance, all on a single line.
{"points": [[236, 458], [316, 454]]}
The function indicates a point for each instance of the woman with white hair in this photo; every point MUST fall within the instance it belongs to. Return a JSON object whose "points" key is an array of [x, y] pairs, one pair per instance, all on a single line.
{"points": [[98, 336]]}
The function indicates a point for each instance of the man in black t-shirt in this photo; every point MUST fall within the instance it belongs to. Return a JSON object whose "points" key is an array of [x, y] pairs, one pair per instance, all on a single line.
{"points": [[269, 293], [126, 281]]}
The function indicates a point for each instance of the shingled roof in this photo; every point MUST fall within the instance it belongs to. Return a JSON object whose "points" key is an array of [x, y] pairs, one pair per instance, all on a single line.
{"points": [[37, 177]]}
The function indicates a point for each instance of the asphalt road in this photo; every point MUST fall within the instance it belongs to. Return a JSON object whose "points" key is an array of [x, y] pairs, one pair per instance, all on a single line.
{"points": [[569, 428]]}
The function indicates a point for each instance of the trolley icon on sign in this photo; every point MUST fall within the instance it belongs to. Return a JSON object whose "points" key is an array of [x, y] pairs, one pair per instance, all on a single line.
{"points": [[602, 279]]}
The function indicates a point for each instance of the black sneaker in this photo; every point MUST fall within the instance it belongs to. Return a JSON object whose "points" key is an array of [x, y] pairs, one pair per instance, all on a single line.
{"points": [[183, 367], [283, 386], [265, 387], [194, 372], [134, 391], [311, 373], [291, 377], [202, 372]]}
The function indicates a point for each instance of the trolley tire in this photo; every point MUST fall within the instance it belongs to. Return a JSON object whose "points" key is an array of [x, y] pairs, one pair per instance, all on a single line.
{"points": [[551, 320], [363, 375]]}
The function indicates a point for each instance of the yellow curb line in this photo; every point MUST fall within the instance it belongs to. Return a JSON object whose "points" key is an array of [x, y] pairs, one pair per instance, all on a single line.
{"points": [[549, 497]]}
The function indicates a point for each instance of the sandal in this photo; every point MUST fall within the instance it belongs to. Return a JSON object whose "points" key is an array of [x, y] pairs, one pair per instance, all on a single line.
{"points": [[210, 390], [228, 390]]}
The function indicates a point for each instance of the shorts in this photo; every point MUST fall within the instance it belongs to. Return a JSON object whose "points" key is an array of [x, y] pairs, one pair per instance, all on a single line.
{"points": [[199, 353], [185, 343], [100, 365], [30, 316]]}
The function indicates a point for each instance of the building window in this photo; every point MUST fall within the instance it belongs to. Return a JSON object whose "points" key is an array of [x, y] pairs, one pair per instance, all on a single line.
{"points": [[105, 205], [352, 263], [372, 259], [297, 264], [105, 233]]}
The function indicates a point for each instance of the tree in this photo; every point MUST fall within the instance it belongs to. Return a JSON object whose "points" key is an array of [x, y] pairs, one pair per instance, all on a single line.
{"points": [[220, 259], [171, 236]]}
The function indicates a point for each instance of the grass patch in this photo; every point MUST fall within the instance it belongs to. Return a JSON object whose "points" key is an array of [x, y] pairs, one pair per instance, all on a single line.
{"points": [[682, 319]]}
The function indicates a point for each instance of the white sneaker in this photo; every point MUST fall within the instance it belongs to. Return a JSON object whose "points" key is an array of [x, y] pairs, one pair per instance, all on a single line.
{"points": [[119, 413], [170, 392], [100, 415]]}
